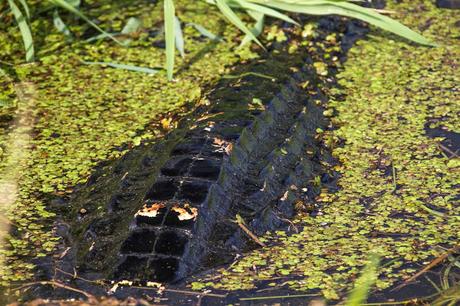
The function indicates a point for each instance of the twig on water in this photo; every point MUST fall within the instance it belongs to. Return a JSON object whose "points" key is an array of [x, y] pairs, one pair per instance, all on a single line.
{"points": [[258, 298], [57, 284], [98, 282], [395, 184], [242, 225], [431, 265], [195, 293], [452, 153]]}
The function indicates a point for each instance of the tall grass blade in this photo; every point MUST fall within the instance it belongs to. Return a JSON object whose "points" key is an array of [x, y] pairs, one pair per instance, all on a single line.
{"points": [[384, 22], [169, 15], [101, 36], [123, 66], [25, 31], [179, 37], [74, 3], [203, 31], [257, 29], [233, 18], [363, 285], [264, 10], [344, 8], [65, 5], [25, 7]]}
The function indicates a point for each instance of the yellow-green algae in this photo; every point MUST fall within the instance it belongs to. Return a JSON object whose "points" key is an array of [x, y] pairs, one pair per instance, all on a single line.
{"points": [[391, 172], [83, 113]]}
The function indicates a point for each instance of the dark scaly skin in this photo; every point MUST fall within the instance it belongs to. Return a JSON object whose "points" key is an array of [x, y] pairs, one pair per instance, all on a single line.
{"points": [[232, 157], [216, 162]]}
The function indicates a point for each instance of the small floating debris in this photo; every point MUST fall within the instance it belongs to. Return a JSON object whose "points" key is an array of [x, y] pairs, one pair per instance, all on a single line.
{"points": [[150, 210], [185, 213]]}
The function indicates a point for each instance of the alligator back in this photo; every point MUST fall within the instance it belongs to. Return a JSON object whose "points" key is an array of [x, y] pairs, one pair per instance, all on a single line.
{"points": [[168, 209]]}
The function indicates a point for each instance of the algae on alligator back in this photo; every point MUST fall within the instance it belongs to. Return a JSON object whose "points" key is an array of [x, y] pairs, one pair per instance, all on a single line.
{"points": [[391, 171], [86, 114]]}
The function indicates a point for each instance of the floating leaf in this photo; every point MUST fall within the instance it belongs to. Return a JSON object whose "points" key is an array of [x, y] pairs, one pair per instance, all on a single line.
{"points": [[132, 26], [185, 213], [150, 211]]}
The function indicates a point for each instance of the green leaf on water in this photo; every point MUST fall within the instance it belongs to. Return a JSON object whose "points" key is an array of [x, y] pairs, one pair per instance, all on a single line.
{"points": [[61, 26], [203, 31], [67, 6], [169, 14], [132, 26], [179, 37], [123, 66], [25, 31]]}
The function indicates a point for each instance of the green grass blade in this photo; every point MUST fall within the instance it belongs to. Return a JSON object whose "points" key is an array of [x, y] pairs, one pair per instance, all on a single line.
{"points": [[343, 8], [123, 66], [74, 3], [228, 12], [363, 284], [179, 37], [169, 36], [264, 10], [384, 22], [257, 29], [206, 33], [25, 31], [61, 26], [101, 36], [73, 10], [25, 7]]}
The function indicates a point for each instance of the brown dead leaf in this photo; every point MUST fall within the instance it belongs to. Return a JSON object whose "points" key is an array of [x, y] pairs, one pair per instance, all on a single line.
{"points": [[150, 211], [185, 213]]}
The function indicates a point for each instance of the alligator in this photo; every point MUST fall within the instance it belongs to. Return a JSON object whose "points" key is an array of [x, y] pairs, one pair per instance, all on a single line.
{"points": [[244, 156], [239, 165]]}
